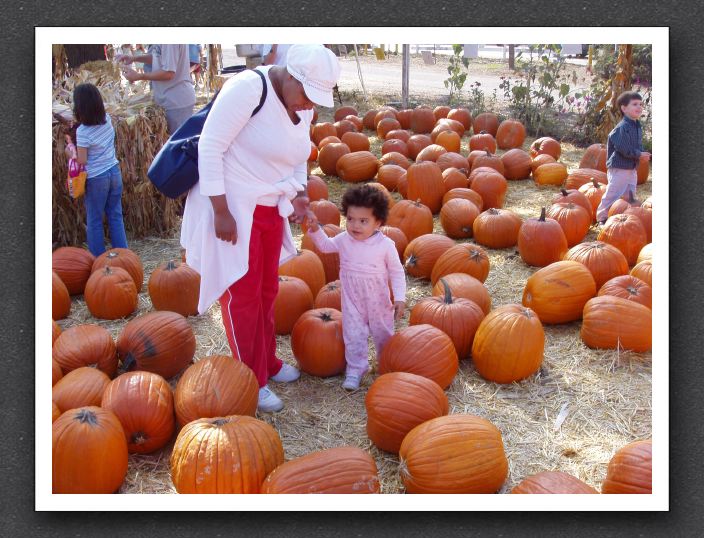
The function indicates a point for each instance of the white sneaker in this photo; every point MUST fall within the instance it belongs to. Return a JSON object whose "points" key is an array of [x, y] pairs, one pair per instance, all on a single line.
{"points": [[268, 401], [287, 374], [352, 382]]}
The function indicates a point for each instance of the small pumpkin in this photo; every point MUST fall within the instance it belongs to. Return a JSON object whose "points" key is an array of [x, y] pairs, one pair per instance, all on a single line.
{"points": [[630, 469], [73, 265], [497, 228], [176, 287], [552, 482], [463, 258], [457, 217], [125, 258], [292, 300], [86, 345], [465, 286], [603, 260], [331, 260], [516, 164], [357, 166], [317, 344], [80, 387], [541, 241], [630, 288], [510, 134], [60, 299], [329, 296], [614, 323], [110, 293], [486, 121], [412, 218], [307, 266], [546, 145]]}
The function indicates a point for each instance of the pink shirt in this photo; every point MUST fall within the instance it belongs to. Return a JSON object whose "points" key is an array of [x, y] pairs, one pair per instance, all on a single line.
{"points": [[376, 255]]}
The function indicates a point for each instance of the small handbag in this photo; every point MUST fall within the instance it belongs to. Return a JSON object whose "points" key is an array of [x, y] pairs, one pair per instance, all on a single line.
{"points": [[76, 179]]}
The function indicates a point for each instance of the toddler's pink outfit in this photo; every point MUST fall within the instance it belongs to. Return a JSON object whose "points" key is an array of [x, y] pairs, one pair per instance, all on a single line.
{"points": [[366, 267]]}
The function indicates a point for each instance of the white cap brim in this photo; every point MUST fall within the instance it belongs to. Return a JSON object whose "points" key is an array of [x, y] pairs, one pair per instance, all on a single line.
{"points": [[319, 97]]}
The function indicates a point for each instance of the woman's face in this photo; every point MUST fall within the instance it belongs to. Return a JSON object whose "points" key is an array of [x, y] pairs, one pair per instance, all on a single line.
{"points": [[294, 95]]}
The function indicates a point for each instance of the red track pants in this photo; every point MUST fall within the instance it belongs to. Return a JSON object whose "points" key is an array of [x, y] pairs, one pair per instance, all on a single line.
{"points": [[248, 304]]}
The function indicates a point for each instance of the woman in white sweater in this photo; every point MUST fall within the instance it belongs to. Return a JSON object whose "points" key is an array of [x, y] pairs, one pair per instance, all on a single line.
{"points": [[253, 177]]}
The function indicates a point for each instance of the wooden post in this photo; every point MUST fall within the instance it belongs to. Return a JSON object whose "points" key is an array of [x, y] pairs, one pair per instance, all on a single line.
{"points": [[404, 74], [512, 57]]}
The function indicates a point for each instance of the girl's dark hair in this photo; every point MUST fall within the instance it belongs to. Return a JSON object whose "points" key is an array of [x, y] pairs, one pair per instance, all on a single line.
{"points": [[367, 196], [88, 107], [626, 97]]}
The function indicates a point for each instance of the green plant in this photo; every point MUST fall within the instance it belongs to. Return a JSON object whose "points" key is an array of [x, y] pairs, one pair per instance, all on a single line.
{"points": [[457, 77]]}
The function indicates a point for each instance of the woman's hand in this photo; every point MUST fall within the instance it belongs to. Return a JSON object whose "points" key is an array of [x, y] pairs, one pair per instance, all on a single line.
{"points": [[223, 221], [312, 221], [399, 309], [300, 209], [130, 74]]}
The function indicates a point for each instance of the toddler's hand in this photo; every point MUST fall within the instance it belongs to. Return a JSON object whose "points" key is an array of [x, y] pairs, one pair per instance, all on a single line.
{"points": [[312, 221], [399, 309]]}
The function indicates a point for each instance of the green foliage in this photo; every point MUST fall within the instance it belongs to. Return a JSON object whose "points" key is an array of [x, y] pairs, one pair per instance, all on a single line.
{"points": [[604, 63], [457, 77]]}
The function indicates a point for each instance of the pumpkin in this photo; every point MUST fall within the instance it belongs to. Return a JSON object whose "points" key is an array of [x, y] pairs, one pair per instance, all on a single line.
{"points": [[546, 145], [463, 115], [463, 258], [645, 216], [396, 403], [125, 258], [326, 212], [574, 220], [441, 112], [385, 126], [73, 265], [630, 288], [430, 153], [328, 140], [110, 293], [238, 452], [344, 469], [215, 386], [510, 134], [422, 253], [307, 266], [329, 296], [444, 125], [55, 412], [398, 237], [573, 196], [86, 345], [453, 454], [159, 342], [594, 157], [464, 194], [344, 111], [329, 155], [465, 286], [449, 140], [594, 192], [516, 164], [646, 253], [331, 260], [56, 372], [541, 241], [626, 233], [292, 300], [490, 185], [357, 166], [144, 405], [482, 141], [412, 218], [557, 293], [416, 143], [88, 452], [321, 130], [578, 177], [356, 121], [550, 174], [644, 271], [422, 120], [389, 174], [452, 160], [508, 345], [343, 127], [540, 160], [404, 118], [643, 169], [623, 203], [453, 178], [457, 217], [384, 113], [486, 121], [390, 200], [317, 189], [80, 387], [555, 482], [423, 350], [317, 344], [398, 134], [630, 469], [395, 146], [603, 260], [489, 160], [497, 228], [614, 323], [457, 317], [176, 287], [55, 332], [60, 299], [355, 141], [368, 119]]}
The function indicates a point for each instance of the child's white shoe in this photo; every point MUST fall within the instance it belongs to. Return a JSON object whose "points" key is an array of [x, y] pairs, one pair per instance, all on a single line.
{"points": [[268, 401], [287, 374], [352, 382]]}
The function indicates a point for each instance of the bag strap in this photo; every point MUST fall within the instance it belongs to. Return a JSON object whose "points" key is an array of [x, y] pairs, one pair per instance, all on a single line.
{"points": [[264, 92]]}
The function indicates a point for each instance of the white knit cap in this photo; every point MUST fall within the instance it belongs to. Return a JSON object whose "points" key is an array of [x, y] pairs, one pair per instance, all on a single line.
{"points": [[317, 68]]}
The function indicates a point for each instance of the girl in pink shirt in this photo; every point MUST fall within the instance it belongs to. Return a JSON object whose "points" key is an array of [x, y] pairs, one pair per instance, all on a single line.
{"points": [[368, 262]]}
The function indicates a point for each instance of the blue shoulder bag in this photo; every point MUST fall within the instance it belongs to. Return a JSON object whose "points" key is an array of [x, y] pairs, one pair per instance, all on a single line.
{"points": [[174, 170]]}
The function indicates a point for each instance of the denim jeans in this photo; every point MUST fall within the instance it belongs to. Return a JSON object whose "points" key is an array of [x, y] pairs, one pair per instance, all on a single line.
{"points": [[104, 197]]}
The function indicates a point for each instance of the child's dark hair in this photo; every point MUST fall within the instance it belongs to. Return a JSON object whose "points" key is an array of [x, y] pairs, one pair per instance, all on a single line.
{"points": [[625, 98], [367, 196], [88, 107]]}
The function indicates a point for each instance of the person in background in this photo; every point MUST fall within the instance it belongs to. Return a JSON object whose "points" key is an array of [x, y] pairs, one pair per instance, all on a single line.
{"points": [[95, 149], [254, 61], [170, 75], [277, 55], [139, 50], [194, 58]]}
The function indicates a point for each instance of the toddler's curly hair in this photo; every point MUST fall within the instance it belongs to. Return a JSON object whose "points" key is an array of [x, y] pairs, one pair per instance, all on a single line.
{"points": [[367, 196]]}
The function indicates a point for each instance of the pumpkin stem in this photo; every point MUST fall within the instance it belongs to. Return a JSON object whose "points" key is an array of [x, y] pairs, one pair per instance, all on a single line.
{"points": [[595, 183], [138, 438], [170, 265], [411, 261], [112, 254], [542, 214], [564, 192], [325, 316], [129, 362], [482, 132], [632, 290], [448, 291], [493, 211], [86, 416], [219, 422]]}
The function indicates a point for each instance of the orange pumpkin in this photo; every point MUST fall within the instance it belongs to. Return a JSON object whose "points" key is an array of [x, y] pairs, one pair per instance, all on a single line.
{"points": [[355, 141], [326, 212], [396, 403], [292, 300], [176, 287], [73, 265], [573, 196], [329, 296], [483, 141], [453, 454], [321, 130], [344, 111], [546, 145], [389, 174], [343, 127], [457, 217], [453, 178], [497, 228], [368, 119], [56, 372], [644, 271], [125, 258], [580, 176], [630, 288], [552, 482], [307, 266], [463, 258], [317, 344], [422, 253], [55, 412], [395, 146], [55, 332], [573, 219], [465, 286], [557, 293], [540, 160], [603, 261], [422, 120], [416, 143], [60, 299], [328, 140], [86, 345], [541, 241], [550, 174], [441, 112], [464, 194], [329, 155], [646, 253], [510, 134], [110, 293], [430, 153], [449, 140], [463, 115], [594, 157], [452, 160], [317, 189], [630, 469], [80, 387], [490, 185], [386, 125], [486, 121], [626, 233], [404, 117], [489, 160], [357, 166], [384, 113], [643, 169], [516, 164], [593, 191], [412, 218], [614, 323], [645, 216], [398, 134], [508, 345]]}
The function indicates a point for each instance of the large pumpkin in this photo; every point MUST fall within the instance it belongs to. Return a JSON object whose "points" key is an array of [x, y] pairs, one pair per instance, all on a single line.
{"points": [[317, 189], [508, 345], [463, 193], [510, 134], [355, 141], [73, 265], [486, 121], [159, 342], [457, 317], [357, 166], [416, 144], [232, 454], [144, 405], [614, 323], [557, 293], [317, 343], [594, 192], [412, 218], [176, 287], [626, 233], [329, 296], [125, 258], [463, 258], [580, 176], [343, 469], [603, 260], [292, 300], [398, 237], [545, 145], [425, 185], [396, 403], [573, 196], [430, 153], [83, 386], [329, 155], [630, 469], [422, 120], [88, 452], [630, 288], [422, 253], [423, 350], [594, 157], [550, 174], [215, 386], [552, 482], [331, 260], [453, 454], [307, 266], [86, 345], [541, 241], [389, 174], [497, 228], [465, 286], [516, 164], [110, 293], [60, 299], [574, 220]]}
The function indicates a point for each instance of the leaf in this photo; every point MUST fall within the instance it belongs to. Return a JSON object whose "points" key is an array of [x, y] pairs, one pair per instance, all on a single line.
{"points": [[564, 89]]}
